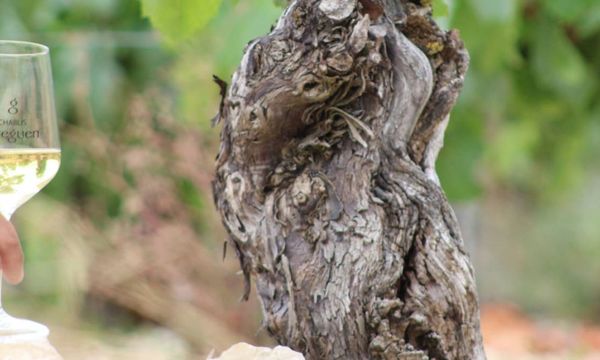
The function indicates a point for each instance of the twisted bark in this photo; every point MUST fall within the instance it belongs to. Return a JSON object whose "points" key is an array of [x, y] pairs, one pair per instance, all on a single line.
{"points": [[326, 182]]}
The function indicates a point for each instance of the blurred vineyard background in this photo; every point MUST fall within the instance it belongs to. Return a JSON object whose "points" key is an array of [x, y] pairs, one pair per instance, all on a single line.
{"points": [[124, 249]]}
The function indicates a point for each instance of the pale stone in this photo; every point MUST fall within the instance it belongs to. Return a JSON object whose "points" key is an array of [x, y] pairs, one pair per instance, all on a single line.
{"points": [[243, 351], [41, 350]]}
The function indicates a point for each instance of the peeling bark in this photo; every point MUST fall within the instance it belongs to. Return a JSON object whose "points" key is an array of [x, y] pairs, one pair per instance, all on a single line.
{"points": [[326, 182]]}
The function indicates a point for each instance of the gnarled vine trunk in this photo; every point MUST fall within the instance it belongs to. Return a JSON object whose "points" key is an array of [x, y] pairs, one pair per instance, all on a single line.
{"points": [[326, 182]]}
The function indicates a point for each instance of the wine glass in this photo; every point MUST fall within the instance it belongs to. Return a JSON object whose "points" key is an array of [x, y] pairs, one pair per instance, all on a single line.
{"points": [[29, 145]]}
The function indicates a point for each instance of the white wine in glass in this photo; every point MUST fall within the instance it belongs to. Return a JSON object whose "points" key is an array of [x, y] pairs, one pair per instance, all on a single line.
{"points": [[29, 146], [24, 172]]}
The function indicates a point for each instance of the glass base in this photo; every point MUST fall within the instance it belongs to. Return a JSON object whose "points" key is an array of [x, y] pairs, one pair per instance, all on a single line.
{"points": [[13, 330]]}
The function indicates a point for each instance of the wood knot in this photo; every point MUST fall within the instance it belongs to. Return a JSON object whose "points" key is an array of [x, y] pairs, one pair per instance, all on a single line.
{"points": [[312, 88], [279, 50], [307, 191], [340, 63]]}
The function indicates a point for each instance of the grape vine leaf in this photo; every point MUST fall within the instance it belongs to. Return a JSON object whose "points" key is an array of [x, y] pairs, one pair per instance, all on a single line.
{"points": [[179, 20]]}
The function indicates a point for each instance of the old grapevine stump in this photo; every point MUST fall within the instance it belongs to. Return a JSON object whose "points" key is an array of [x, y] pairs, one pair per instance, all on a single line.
{"points": [[326, 182]]}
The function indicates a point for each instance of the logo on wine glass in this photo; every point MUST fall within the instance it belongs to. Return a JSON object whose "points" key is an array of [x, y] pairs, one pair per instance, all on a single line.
{"points": [[13, 109]]}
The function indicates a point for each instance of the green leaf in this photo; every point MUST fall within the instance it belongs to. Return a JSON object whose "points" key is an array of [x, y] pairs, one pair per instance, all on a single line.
{"points": [[568, 10], [218, 50], [494, 10], [179, 20], [458, 161], [557, 63], [440, 8], [589, 21], [509, 154], [492, 42]]}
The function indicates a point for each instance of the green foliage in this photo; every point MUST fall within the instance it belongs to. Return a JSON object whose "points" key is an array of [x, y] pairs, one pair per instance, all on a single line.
{"points": [[510, 115], [553, 53], [440, 8], [179, 20], [458, 165], [280, 3], [531, 86], [567, 10], [494, 11], [218, 50]]}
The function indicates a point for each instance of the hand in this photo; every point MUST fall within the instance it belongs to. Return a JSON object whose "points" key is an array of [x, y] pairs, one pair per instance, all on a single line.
{"points": [[11, 254]]}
